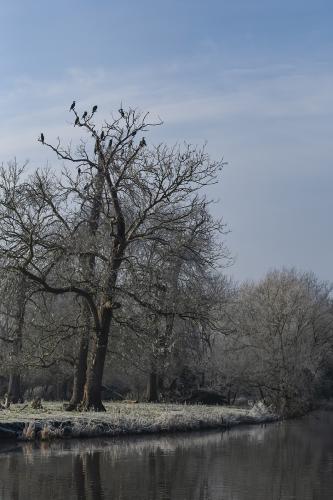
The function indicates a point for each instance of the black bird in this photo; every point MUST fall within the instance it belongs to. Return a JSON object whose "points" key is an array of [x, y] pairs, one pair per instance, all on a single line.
{"points": [[79, 171], [102, 135], [122, 113], [72, 106], [143, 143], [134, 133], [42, 138], [94, 109], [77, 121], [110, 144], [84, 116]]}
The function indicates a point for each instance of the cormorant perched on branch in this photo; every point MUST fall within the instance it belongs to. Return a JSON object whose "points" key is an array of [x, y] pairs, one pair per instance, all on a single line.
{"points": [[77, 121], [84, 116], [122, 113], [94, 109], [72, 106], [143, 143], [42, 138], [79, 171], [133, 134], [102, 135], [110, 144]]}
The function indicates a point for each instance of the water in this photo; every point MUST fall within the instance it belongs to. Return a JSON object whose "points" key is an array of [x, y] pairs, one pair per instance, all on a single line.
{"points": [[289, 460]]}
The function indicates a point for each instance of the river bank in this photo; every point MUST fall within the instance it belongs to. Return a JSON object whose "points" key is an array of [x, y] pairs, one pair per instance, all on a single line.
{"points": [[52, 422]]}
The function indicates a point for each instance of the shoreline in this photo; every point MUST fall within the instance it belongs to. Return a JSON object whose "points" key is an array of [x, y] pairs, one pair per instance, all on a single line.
{"points": [[124, 419]]}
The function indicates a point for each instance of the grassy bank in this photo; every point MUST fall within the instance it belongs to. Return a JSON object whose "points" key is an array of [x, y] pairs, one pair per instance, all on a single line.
{"points": [[21, 422]]}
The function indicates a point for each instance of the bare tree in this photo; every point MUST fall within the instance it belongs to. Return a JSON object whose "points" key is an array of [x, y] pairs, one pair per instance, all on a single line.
{"points": [[173, 302], [283, 332], [120, 192]]}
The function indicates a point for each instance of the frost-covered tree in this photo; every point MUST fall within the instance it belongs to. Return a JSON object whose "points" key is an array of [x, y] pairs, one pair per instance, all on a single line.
{"points": [[283, 332], [73, 231]]}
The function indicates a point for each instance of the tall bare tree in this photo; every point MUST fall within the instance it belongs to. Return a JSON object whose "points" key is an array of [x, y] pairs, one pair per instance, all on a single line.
{"points": [[112, 192]]}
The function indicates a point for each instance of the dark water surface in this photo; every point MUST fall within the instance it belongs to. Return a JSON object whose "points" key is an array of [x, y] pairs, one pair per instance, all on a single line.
{"points": [[289, 460]]}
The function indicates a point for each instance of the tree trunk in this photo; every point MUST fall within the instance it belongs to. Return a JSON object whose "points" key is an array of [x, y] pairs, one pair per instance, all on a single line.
{"points": [[14, 388], [79, 379], [14, 385], [88, 265], [152, 387], [62, 389], [92, 397], [161, 385], [81, 362]]}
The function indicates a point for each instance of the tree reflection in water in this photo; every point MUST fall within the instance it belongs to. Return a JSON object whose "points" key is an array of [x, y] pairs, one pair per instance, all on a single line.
{"points": [[279, 461], [87, 476]]}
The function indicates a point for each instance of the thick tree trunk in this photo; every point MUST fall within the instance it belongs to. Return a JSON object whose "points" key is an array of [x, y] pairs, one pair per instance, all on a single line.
{"points": [[152, 387], [79, 379], [14, 388], [161, 385], [92, 397]]}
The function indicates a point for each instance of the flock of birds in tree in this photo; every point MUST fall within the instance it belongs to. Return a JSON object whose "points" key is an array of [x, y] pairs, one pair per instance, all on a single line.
{"points": [[142, 143]]}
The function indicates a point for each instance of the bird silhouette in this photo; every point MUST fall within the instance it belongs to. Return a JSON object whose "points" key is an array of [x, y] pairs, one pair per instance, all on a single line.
{"points": [[94, 109], [42, 138], [79, 171], [72, 106], [102, 135], [134, 133], [77, 121], [122, 113], [143, 143], [84, 116]]}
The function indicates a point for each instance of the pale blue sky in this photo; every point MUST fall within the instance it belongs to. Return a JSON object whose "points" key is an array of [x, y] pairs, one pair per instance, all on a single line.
{"points": [[254, 78]]}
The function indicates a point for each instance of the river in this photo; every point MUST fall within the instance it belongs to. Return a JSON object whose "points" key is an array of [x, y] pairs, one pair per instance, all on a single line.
{"points": [[280, 461]]}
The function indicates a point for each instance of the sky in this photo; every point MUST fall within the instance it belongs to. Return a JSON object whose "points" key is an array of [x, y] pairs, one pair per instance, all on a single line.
{"points": [[252, 78]]}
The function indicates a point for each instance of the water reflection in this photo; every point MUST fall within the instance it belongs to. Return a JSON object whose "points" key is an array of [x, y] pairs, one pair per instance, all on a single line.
{"points": [[87, 476], [292, 460]]}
